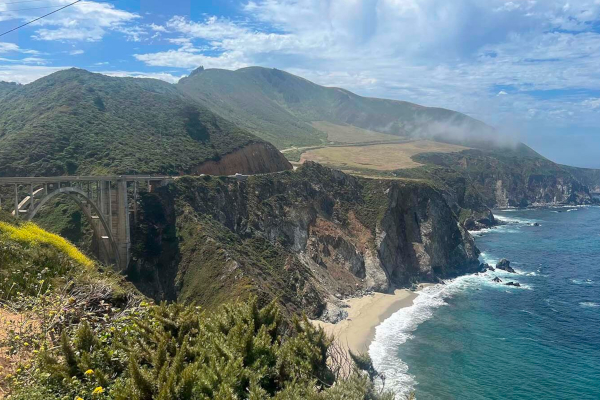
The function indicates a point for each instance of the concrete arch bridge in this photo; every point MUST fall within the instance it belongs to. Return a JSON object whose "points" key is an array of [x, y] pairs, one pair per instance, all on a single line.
{"points": [[104, 200]]}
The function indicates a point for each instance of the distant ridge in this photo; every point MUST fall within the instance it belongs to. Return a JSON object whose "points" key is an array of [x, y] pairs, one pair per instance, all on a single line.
{"points": [[280, 107]]}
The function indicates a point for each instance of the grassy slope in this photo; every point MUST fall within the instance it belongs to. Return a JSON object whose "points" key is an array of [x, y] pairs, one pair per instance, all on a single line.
{"points": [[244, 101], [351, 134], [76, 122], [280, 107], [382, 157]]}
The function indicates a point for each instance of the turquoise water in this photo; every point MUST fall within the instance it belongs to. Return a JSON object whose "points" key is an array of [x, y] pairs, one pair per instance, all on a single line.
{"points": [[475, 339]]}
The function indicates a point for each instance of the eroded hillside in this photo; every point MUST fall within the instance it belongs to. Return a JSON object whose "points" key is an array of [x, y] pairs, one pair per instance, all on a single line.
{"points": [[304, 237]]}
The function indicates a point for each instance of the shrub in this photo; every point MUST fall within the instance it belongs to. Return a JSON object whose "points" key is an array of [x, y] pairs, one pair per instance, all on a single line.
{"points": [[178, 352], [31, 235]]}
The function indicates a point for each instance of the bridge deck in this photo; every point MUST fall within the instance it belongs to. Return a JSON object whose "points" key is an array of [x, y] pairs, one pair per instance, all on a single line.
{"points": [[54, 179]]}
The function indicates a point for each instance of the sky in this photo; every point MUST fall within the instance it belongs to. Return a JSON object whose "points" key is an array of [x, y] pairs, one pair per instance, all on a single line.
{"points": [[529, 68]]}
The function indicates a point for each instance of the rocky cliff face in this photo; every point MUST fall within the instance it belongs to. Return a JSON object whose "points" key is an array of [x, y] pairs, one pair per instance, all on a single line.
{"points": [[587, 176], [256, 158], [511, 179], [306, 237]]}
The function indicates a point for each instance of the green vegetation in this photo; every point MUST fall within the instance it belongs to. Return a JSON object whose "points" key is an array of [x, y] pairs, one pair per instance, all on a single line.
{"points": [[345, 133], [294, 155], [380, 157], [281, 108], [74, 331], [527, 177], [30, 235], [34, 260], [76, 122], [175, 352], [63, 216]]}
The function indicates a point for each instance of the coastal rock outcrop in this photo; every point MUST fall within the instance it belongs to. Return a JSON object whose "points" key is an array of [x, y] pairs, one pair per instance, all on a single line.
{"points": [[517, 284], [497, 280], [504, 265]]}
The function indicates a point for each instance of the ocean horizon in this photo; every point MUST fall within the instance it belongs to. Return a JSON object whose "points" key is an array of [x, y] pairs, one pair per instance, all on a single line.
{"points": [[472, 338]]}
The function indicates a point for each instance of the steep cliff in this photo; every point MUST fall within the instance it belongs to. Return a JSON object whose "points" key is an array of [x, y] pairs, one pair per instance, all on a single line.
{"points": [[511, 178], [587, 176], [256, 158], [304, 237]]}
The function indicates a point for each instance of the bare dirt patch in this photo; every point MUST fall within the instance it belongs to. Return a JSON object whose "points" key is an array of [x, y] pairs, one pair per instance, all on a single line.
{"points": [[13, 327], [378, 157]]}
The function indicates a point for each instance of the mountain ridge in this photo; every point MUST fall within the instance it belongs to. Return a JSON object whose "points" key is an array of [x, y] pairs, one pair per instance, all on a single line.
{"points": [[78, 122], [297, 101]]}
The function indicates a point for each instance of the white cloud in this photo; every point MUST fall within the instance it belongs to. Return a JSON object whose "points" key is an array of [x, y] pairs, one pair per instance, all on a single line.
{"points": [[158, 28], [76, 52], [25, 73], [163, 76], [593, 103], [7, 47], [189, 59], [85, 21], [12, 47]]}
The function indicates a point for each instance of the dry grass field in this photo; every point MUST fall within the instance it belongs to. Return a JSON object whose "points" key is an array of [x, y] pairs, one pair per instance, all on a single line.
{"points": [[352, 134], [378, 157]]}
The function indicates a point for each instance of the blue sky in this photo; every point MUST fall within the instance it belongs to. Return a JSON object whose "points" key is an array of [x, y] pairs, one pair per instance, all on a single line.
{"points": [[530, 68]]}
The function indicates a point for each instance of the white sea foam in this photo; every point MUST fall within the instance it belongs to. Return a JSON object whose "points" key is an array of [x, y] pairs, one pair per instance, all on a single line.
{"points": [[397, 329], [589, 304], [509, 228], [582, 281], [514, 220]]}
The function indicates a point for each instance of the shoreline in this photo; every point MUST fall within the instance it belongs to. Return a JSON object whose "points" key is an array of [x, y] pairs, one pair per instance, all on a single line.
{"points": [[357, 331]]}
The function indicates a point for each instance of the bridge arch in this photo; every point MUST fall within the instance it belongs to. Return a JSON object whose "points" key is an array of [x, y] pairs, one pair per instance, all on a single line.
{"points": [[73, 192]]}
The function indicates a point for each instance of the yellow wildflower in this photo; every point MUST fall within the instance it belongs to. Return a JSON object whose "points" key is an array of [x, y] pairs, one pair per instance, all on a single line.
{"points": [[98, 390], [89, 372], [78, 398]]}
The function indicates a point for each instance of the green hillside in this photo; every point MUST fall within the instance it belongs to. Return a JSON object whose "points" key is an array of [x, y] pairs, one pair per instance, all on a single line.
{"points": [[280, 107], [6, 87], [77, 122]]}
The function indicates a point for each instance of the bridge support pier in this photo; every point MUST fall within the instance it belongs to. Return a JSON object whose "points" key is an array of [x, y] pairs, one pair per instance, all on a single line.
{"points": [[122, 238], [107, 210]]}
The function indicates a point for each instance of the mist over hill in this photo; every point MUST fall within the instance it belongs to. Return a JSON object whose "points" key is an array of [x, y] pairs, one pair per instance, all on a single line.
{"points": [[281, 108]]}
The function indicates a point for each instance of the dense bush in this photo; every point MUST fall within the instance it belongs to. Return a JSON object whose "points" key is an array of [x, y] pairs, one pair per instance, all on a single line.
{"points": [[177, 352]]}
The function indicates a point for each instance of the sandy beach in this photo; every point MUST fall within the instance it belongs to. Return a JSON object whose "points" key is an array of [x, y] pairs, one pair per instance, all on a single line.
{"points": [[364, 314]]}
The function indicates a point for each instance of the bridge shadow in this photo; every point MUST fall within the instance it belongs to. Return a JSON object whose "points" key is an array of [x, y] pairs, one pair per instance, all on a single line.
{"points": [[155, 247]]}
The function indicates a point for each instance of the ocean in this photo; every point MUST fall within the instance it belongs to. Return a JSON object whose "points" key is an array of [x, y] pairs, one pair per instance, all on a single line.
{"points": [[476, 339]]}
